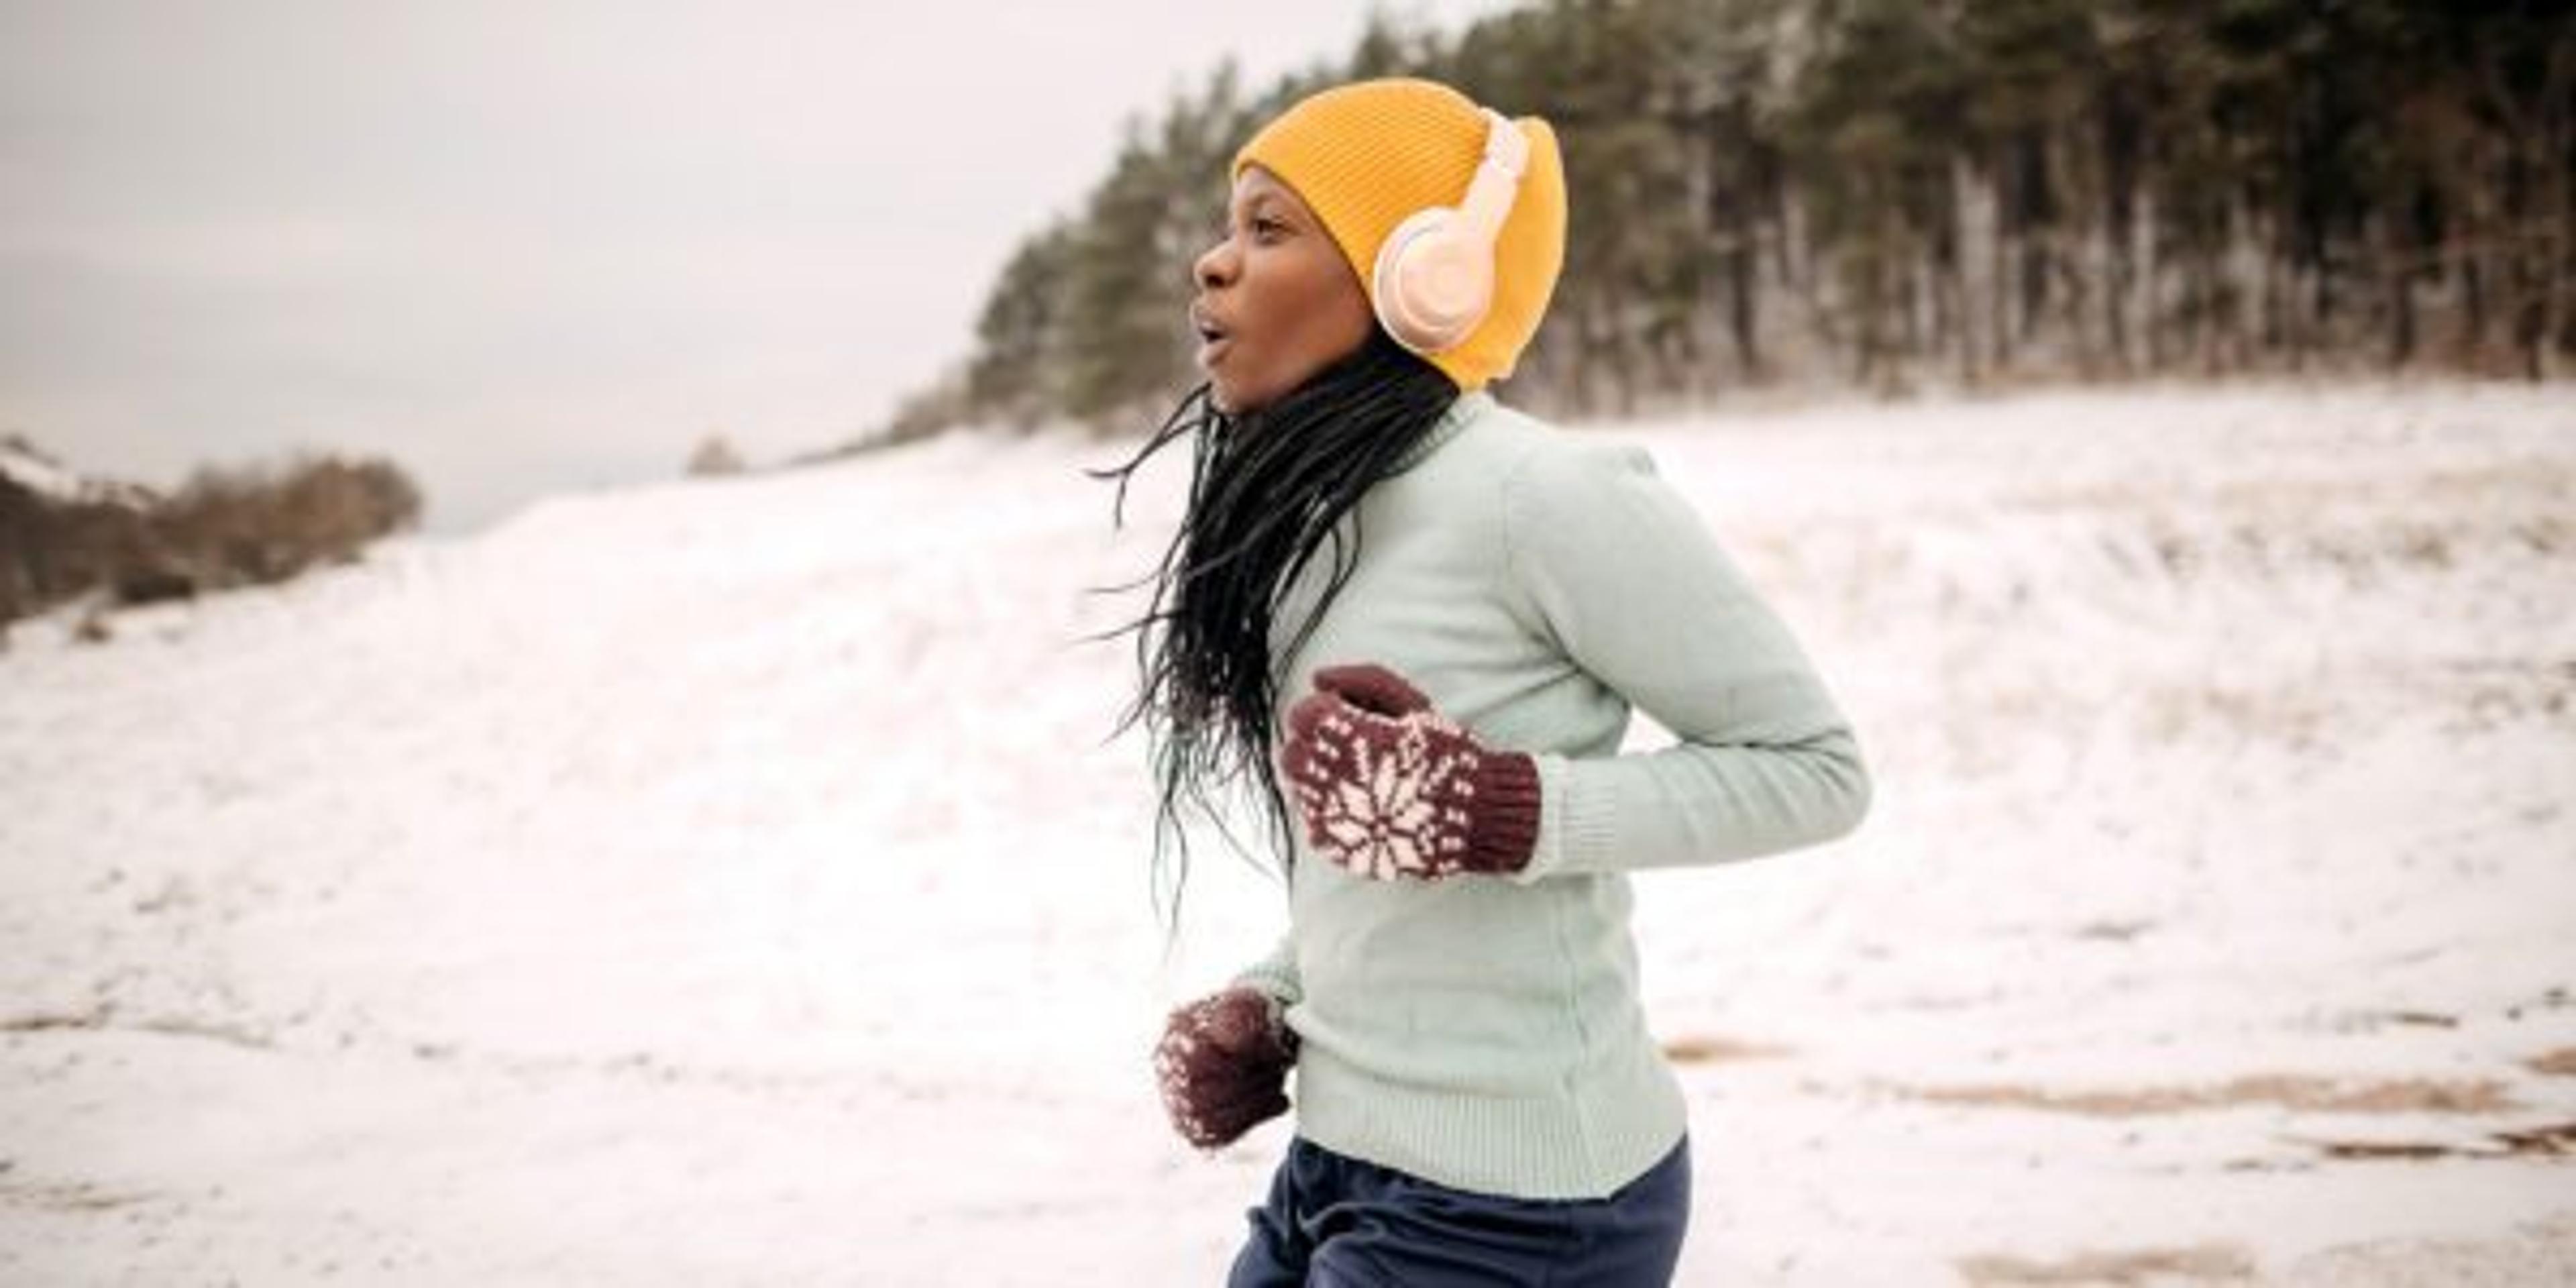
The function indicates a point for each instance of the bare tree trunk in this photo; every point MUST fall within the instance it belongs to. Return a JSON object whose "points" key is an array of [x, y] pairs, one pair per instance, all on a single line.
{"points": [[1999, 326], [2473, 253], [2276, 321], [2556, 219], [1742, 317], [1972, 236], [2075, 265], [2149, 315], [2401, 349]]}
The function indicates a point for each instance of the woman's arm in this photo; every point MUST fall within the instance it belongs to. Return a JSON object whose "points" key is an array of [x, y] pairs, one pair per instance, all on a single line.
{"points": [[1614, 565]]}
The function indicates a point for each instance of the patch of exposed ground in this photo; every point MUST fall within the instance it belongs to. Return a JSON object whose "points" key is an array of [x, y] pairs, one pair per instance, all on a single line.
{"points": [[2559, 1063], [2207, 1263], [1705, 1048], [2289, 1091], [2547, 1140]]}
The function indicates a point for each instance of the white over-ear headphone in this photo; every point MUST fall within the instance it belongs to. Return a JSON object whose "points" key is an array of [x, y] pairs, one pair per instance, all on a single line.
{"points": [[1435, 272]]}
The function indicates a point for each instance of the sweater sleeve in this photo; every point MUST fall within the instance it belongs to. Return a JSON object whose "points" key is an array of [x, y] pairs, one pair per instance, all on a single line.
{"points": [[1617, 568], [1275, 974]]}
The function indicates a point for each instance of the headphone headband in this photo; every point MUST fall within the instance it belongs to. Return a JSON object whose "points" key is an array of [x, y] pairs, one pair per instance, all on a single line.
{"points": [[1435, 273], [1498, 176]]}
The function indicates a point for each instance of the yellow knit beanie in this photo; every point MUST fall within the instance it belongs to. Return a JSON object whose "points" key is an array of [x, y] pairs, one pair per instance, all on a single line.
{"points": [[1365, 155]]}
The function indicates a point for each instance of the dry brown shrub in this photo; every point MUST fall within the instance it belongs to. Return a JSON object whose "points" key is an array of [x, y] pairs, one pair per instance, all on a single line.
{"points": [[252, 525], [714, 457]]}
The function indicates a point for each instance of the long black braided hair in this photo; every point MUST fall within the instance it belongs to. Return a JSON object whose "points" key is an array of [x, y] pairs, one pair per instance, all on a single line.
{"points": [[1267, 490]]}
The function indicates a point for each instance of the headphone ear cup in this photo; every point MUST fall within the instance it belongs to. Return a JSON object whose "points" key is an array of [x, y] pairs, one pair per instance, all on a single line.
{"points": [[1432, 286]]}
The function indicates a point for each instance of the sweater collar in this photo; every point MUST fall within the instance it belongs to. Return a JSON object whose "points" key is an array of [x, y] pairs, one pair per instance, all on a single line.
{"points": [[1465, 408]]}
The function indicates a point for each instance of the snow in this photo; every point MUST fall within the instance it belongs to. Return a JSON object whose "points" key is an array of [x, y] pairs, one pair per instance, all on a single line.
{"points": [[28, 466], [737, 882], [21, 463]]}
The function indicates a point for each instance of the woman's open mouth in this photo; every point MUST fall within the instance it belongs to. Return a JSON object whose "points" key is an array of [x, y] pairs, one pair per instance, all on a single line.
{"points": [[1214, 340]]}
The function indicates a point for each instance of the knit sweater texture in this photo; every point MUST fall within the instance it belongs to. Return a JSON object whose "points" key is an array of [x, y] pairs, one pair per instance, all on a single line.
{"points": [[1484, 1032]]}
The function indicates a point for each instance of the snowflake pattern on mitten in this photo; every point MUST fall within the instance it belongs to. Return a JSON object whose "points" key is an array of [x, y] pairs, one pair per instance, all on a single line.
{"points": [[1376, 805], [1391, 788]]}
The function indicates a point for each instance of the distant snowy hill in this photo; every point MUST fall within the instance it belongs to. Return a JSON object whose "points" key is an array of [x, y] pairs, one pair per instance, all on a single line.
{"points": [[734, 881], [27, 465]]}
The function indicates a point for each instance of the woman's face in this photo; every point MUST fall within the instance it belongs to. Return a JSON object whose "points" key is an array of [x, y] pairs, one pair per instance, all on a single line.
{"points": [[1276, 300]]}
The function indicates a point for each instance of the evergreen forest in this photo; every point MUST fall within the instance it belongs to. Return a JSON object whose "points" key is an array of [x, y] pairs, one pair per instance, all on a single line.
{"points": [[1898, 194]]}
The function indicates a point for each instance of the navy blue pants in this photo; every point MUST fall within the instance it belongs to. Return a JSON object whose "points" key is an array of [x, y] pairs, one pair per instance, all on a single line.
{"points": [[1337, 1222]]}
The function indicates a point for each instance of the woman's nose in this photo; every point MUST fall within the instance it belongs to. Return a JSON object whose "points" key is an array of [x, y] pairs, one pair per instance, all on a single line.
{"points": [[1215, 266]]}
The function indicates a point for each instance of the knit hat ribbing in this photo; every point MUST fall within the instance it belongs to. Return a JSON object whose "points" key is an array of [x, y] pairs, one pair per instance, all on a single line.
{"points": [[1365, 155]]}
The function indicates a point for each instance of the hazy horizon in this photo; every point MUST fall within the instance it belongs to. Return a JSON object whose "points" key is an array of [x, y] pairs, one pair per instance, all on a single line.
{"points": [[524, 250]]}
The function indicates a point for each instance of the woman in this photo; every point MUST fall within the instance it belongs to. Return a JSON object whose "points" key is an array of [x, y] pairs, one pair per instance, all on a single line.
{"points": [[1479, 1099]]}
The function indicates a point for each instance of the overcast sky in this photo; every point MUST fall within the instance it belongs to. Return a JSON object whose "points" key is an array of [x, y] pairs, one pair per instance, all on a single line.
{"points": [[529, 246]]}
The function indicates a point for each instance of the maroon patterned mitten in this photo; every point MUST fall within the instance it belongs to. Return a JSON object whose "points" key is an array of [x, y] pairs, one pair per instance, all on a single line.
{"points": [[1223, 1065], [1391, 788]]}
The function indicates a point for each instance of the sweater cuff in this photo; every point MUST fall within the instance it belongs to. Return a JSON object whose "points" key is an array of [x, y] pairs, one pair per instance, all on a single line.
{"points": [[1573, 831], [1507, 813], [1275, 977]]}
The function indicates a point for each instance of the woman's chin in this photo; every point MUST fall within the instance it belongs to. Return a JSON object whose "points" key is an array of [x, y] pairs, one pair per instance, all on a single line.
{"points": [[1236, 396]]}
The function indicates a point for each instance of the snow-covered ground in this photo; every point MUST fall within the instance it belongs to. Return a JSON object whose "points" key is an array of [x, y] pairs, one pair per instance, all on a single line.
{"points": [[730, 882]]}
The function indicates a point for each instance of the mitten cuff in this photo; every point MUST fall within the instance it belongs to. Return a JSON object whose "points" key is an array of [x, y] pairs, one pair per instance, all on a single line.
{"points": [[1507, 801]]}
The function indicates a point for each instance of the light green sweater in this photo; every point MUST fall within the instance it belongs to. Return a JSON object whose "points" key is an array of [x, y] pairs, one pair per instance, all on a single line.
{"points": [[1484, 1032]]}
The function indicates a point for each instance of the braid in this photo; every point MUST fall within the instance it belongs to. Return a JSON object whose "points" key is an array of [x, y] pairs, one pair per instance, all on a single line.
{"points": [[1267, 490]]}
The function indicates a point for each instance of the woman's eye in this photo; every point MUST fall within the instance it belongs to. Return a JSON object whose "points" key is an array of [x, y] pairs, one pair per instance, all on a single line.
{"points": [[1268, 228]]}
